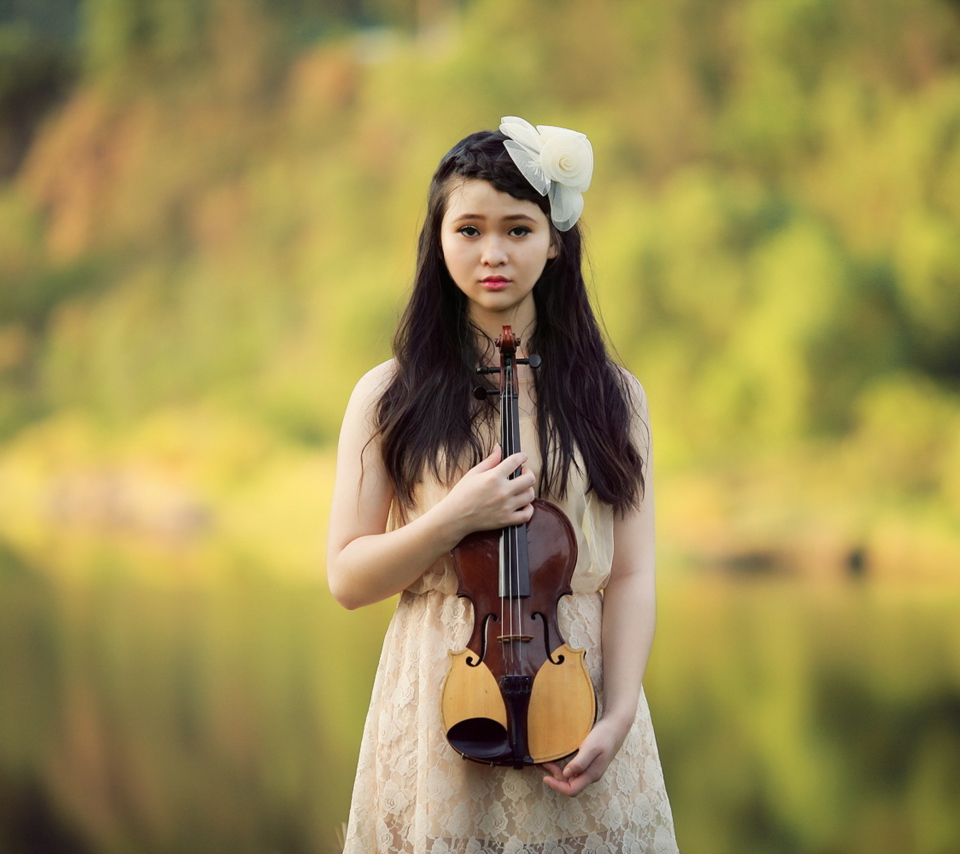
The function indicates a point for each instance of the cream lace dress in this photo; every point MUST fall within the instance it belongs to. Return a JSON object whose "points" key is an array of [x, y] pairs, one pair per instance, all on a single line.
{"points": [[415, 795]]}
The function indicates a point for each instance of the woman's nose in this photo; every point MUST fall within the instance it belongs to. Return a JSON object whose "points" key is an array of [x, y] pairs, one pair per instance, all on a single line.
{"points": [[493, 253]]}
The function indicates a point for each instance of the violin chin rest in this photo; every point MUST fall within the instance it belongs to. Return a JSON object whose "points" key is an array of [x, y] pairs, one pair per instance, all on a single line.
{"points": [[480, 738]]}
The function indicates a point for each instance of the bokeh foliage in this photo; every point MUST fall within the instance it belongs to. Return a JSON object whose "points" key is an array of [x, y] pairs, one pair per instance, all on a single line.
{"points": [[223, 210], [208, 213]]}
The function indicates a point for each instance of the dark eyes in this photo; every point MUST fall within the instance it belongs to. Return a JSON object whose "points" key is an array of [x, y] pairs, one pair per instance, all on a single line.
{"points": [[473, 231]]}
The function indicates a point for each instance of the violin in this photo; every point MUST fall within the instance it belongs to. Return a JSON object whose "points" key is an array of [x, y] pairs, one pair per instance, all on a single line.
{"points": [[518, 694]]}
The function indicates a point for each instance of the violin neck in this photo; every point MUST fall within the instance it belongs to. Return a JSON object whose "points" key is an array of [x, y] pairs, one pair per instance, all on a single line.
{"points": [[514, 563]]}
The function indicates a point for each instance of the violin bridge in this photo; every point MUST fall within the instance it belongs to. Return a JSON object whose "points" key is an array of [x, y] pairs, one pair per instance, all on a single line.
{"points": [[515, 638]]}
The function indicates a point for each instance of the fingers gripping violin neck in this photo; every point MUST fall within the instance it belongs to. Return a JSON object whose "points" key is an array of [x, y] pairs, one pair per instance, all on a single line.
{"points": [[517, 694]]}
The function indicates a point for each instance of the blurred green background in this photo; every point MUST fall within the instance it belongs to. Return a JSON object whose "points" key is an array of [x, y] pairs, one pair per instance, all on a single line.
{"points": [[208, 211]]}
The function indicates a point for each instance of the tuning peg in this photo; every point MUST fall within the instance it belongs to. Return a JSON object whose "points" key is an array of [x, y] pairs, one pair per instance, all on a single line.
{"points": [[481, 392], [534, 361]]}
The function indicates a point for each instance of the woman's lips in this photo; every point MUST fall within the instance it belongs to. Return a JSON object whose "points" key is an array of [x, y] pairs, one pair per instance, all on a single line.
{"points": [[495, 283]]}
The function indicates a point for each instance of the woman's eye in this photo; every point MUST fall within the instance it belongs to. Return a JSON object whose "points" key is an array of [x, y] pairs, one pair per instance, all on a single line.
{"points": [[519, 231], [469, 231]]}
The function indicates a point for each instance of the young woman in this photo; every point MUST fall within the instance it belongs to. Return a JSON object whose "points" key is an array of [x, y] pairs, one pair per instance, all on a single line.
{"points": [[419, 468]]}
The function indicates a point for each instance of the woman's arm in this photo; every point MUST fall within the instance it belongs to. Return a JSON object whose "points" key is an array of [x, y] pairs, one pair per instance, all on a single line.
{"points": [[629, 616], [367, 563]]}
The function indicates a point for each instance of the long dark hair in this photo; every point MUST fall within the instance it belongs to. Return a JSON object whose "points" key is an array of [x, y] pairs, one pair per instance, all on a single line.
{"points": [[428, 417]]}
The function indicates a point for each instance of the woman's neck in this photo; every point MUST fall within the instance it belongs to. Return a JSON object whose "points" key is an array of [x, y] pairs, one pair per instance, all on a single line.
{"points": [[491, 325]]}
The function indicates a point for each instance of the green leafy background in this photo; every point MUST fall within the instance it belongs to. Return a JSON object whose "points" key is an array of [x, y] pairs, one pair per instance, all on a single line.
{"points": [[208, 211]]}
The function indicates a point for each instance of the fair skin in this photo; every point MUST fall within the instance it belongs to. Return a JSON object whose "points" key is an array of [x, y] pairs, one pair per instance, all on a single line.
{"points": [[495, 248]]}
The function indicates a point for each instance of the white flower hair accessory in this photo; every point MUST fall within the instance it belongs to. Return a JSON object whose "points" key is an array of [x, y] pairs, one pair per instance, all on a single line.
{"points": [[557, 162]]}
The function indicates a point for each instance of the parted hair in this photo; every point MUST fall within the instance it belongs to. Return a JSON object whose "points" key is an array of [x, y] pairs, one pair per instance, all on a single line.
{"points": [[428, 418]]}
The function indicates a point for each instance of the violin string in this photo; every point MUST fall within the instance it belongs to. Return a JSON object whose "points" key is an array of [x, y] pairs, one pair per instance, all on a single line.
{"points": [[509, 426], [505, 561], [514, 591], [515, 530], [514, 550]]}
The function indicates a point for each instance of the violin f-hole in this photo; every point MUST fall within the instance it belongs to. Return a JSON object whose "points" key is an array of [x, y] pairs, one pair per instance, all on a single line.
{"points": [[546, 639], [471, 661]]}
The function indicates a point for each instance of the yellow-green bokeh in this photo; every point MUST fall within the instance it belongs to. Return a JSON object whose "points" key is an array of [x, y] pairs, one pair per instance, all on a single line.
{"points": [[208, 216]]}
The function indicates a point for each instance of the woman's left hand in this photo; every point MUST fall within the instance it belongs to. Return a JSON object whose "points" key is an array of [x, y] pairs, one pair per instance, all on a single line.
{"points": [[589, 762]]}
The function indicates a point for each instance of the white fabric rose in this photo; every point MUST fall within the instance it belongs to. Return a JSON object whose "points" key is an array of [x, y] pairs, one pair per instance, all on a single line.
{"points": [[557, 162], [567, 157]]}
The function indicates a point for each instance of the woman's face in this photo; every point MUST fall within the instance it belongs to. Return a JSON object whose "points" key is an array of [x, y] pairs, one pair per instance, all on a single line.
{"points": [[495, 248]]}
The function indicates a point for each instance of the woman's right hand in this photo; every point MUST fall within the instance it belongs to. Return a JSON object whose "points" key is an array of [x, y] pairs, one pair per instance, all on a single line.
{"points": [[486, 498]]}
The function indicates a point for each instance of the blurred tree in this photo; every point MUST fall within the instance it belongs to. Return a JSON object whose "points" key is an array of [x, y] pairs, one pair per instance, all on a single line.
{"points": [[38, 65], [55, 20], [775, 202], [126, 35]]}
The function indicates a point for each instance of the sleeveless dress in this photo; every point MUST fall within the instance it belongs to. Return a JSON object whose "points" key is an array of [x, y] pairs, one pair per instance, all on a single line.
{"points": [[415, 795]]}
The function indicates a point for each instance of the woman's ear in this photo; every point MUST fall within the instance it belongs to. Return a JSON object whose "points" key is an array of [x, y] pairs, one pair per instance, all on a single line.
{"points": [[553, 251]]}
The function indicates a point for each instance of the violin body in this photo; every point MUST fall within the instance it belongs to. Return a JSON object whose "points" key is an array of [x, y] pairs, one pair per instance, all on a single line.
{"points": [[552, 705], [517, 694]]}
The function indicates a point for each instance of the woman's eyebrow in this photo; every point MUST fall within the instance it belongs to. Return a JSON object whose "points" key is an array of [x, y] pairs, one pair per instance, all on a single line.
{"points": [[509, 218]]}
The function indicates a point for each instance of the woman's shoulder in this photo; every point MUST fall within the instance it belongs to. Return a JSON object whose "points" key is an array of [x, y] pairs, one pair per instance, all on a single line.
{"points": [[370, 388], [384, 372], [636, 398], [634, 389], [375, 381]]}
